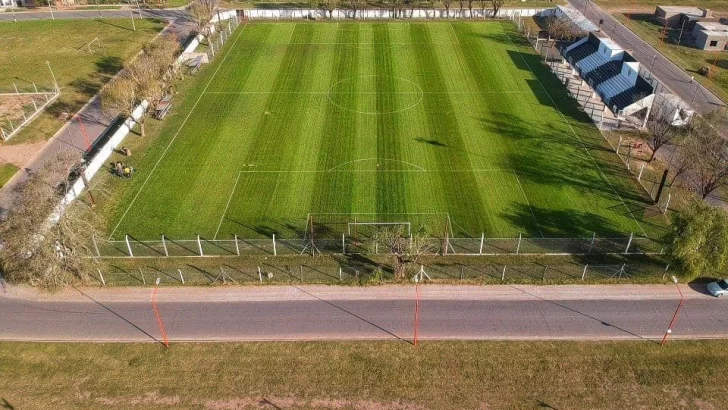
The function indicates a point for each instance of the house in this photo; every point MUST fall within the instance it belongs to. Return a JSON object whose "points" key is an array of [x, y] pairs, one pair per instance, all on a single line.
{"points": [[675, 16], [710, 35]]}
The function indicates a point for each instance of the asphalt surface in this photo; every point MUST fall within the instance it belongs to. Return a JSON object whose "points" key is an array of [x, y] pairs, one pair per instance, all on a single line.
{"points": [[670, 75], [168, 14], [387, 312]]}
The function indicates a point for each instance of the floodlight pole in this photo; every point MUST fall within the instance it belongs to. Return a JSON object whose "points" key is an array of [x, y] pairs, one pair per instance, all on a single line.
{"points": [[157, 315], [417, 315], [674, 316]]}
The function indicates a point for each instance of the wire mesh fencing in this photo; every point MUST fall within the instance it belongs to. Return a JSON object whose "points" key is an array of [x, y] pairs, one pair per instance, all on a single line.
{"points": [[346, 245], [270, 273]]}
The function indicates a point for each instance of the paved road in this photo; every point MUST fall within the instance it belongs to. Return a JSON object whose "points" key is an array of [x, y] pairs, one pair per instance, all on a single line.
{"points": [[326, 312], [670, 75], [92, 118]]}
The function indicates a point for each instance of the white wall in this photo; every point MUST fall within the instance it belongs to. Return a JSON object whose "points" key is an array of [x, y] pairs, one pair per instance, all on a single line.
{"points": [[384, 14]]}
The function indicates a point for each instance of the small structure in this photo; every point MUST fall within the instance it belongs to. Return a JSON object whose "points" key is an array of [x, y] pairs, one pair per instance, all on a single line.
{"points": [[163, 107], [575, 16], [675, 16], [710, 35]]}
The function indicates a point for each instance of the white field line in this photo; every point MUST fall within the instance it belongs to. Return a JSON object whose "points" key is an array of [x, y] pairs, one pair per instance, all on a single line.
{"points": [[333, 170], [457, 40], [527, 202], [292, 31], [577, 136], [374, 43], [177, 133], [222, 218], [368, 92]]}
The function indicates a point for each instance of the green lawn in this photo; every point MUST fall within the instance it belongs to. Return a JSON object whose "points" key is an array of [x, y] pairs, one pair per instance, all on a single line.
{"points": [[371, 375], [684, 56], [6, 172], [378, 122], [27, 46]]}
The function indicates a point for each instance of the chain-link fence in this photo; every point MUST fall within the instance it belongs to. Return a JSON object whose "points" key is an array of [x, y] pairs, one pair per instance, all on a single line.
{"points": [[194, 274], [346, 244]]}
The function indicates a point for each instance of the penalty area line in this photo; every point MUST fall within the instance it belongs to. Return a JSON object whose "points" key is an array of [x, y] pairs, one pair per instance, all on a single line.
{"points": [[222, 218], [177, 133]]}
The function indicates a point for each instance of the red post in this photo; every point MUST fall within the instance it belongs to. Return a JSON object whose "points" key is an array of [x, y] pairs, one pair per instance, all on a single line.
{"points": [[674, 316], [417, 314], [156, 314], [83, 131]]}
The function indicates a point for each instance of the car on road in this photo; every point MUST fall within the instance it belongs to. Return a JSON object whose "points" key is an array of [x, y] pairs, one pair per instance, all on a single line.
{"points": [[718, 288]]}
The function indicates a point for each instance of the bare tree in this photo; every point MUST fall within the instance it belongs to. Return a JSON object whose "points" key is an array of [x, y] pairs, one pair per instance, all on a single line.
{"points": [[470, 7], [149, 85], [706, 149], [562, 28], [163, 52], [447, 3], [201, 12], [43, 244], [120, 94], [662, 132], [497, 4], [355, 5], [405, 251]]}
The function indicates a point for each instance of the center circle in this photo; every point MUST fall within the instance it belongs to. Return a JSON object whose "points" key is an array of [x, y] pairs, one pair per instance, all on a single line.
{"points": [[375, 94]]}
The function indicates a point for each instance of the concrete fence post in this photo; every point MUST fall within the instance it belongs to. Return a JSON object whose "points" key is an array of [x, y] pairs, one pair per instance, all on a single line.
{"points": [[96, 246], [164, 244], [101, 276], [626, 250], [482, 242], [128, 245], [144, 280], [503, 275], [583, 274], [199, 245], [237, 247], [275, 252], [182, 278], [260, 275]]}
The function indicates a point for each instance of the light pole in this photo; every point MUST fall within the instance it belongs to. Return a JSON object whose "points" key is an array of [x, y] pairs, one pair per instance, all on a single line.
{"points": [[55, 83], [697, 87], [12, 10], [674, 316], [50, 6], [654, 60]]}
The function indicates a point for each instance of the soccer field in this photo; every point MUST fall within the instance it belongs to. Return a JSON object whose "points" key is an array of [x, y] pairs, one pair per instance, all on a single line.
{"points": [[389, 122]]}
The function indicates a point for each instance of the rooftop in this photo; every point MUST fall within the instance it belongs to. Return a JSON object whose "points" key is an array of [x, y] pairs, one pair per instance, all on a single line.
{"points": [[713, 28], [690, 11]]}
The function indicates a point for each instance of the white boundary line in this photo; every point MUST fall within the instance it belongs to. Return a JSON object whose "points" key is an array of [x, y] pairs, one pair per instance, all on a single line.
{"points": [[527, 202], [372, 43], [457, 40], [576, 135], [321, 171], [292, 31], [177, 133], [369, 92], [222, 218]]}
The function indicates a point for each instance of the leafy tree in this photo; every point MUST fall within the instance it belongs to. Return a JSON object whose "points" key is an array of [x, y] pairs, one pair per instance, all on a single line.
{"points": [[699, 239], [44, 244]]}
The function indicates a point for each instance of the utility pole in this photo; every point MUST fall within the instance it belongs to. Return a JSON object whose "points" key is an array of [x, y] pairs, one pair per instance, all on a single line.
{"points": [[12, 10], [55, 83], [50, 6], [131, 13], [674, 316]]}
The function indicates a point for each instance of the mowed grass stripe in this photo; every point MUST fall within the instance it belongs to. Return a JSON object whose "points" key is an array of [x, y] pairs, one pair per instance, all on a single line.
{"points": [[333, 191], [461, 189], [391, 191]]}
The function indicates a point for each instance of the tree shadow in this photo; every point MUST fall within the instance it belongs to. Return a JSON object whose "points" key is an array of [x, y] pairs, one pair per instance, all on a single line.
{"points": [[6, 405], [109, 65]]}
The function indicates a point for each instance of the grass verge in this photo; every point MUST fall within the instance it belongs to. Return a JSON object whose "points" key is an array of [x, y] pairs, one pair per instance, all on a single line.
{"points": [[6, 172], [437, 375]]}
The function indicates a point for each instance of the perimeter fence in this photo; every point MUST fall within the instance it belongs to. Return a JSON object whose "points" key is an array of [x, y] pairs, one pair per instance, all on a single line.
{"points": [[271, 273], [352, 245]]}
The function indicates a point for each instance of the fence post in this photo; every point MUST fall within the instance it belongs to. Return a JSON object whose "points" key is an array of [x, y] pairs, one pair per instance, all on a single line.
{"points": [[642, 169], [144, 280], [301, 274], [199, 245], [237, 248], [275, 252], [503, 275], [16, 88], [128, 246], [343, 244], [35, 106], [462, 272], [101, 276], [96, 246], [164, 244], [594, 237], [518, 248], [667, 203], [665, 272], [626, 250], [339, 273], [182, 278], [260, 275], [482, 240], [545, 268], [583, 274]]}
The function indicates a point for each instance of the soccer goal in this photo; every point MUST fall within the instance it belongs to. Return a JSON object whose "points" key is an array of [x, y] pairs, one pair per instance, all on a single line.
{"points": [[354, 227]]}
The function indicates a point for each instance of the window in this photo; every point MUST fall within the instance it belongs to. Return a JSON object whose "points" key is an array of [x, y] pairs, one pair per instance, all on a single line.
{"points": [[713, 43]]}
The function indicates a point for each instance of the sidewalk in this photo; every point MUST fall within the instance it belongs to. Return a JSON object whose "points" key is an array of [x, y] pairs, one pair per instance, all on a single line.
{"points": [[274, 293]]}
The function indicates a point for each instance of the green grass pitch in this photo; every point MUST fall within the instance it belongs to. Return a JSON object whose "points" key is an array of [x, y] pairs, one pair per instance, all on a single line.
{"points": [[382, 122]]}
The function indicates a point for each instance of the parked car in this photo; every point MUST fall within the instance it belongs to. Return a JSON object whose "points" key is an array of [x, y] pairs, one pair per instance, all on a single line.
{"points": [[718, 288]]}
